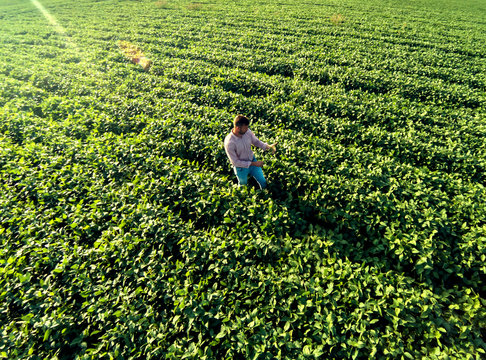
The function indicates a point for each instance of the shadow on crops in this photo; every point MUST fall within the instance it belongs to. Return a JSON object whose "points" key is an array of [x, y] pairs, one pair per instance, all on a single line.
{"points": [[442, 263]]}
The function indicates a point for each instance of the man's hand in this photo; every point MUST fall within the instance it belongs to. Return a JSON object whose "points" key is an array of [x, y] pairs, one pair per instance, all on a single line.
{"points": [[272, 147], [257, 164]]}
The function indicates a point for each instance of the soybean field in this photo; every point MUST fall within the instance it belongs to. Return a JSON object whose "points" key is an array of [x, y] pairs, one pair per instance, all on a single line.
{"points": [[124, 234]]}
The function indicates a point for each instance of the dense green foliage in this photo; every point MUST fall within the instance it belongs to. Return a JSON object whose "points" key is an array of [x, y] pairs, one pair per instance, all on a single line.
{"points": [[124, 235]]}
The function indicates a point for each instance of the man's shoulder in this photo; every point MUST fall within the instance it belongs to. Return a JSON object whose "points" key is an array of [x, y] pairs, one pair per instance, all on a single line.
{"points": [[228, 138], [250, 134]]}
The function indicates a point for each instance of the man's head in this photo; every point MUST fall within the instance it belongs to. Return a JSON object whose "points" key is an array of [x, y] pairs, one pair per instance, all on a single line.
{"points": [[241, 123]]}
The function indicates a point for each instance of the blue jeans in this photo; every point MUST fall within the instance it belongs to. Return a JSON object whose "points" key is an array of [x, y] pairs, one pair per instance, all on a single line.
{"points": [[255, 171]]}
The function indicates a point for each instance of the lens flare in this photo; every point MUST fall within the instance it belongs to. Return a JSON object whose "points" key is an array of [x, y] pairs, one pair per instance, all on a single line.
{"points": [[52, 20], [134, 54]]}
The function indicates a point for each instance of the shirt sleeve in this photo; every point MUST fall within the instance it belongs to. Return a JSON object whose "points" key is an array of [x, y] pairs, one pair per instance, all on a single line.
{"points": [[256, 142], [231, 152]]}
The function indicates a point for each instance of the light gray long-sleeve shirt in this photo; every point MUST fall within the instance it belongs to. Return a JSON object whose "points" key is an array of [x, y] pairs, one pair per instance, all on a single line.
{"points": [[238, 149]]}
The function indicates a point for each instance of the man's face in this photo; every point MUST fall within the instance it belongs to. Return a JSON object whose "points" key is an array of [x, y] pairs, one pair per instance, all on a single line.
{"points": [[242, 129]]}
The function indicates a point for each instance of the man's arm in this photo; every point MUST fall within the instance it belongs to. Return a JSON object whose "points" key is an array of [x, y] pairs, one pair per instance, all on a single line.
{"points": [[257, 163], [255, 141]]}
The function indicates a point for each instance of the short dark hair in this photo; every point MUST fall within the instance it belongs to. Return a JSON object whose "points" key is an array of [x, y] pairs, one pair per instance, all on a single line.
{"points": [[241, 120]]}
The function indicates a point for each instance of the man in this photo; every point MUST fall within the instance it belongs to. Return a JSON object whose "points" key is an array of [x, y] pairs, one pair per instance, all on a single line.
{"points": [[238, 148]]}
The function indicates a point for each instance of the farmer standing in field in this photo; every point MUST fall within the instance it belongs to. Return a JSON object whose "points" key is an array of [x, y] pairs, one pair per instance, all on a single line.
{"points": [[238, 148]]}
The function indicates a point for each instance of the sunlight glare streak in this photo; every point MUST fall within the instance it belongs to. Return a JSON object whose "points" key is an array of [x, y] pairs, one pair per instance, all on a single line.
{"points": [[53, 22]]}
